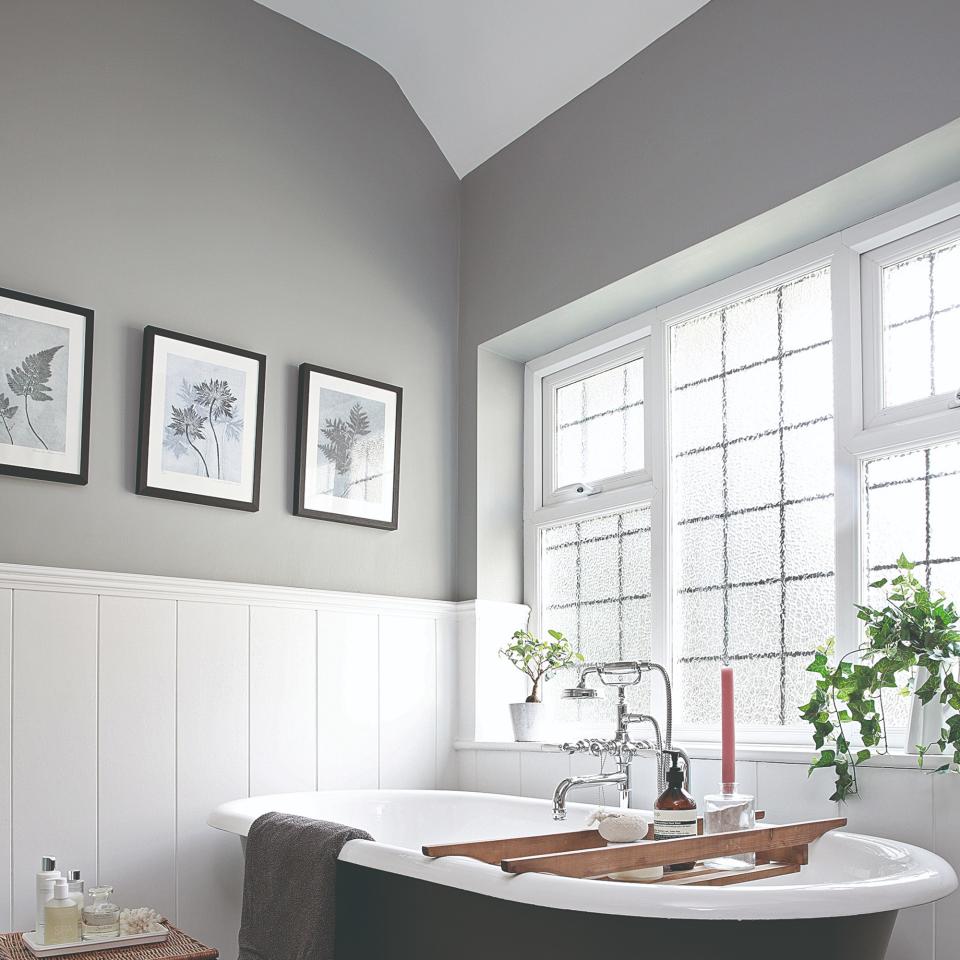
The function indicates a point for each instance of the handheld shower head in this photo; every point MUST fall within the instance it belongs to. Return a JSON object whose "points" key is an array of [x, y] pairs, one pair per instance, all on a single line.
{"points": [[580, 692]]}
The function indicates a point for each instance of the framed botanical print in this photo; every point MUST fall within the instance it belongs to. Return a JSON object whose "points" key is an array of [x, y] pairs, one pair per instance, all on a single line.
{"points": [[46, 369], [201, 421], [348, 449]]}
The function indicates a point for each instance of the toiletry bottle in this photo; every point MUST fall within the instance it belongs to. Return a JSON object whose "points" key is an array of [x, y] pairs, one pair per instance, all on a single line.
{"points": [[75, 886], [61, 916], [45, 879], [675, 812], [100, 917]]}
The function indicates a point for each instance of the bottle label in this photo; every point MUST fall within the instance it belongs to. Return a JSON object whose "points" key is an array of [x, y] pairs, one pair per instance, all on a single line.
{"points": [[670, 824]]}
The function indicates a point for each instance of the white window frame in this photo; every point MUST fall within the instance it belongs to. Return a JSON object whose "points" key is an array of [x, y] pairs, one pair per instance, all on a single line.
{"points": [[872, 264], [860, 434], [565, 376]]}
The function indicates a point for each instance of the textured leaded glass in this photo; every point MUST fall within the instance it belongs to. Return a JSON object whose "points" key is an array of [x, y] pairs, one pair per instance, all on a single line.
{"points": [[753, 504], [596, 590], [921, 326], [910, 502], [600, 425]]}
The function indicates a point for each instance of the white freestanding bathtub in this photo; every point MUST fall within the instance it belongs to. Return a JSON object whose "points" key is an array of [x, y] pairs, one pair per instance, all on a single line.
{"points": [[848, 895]]}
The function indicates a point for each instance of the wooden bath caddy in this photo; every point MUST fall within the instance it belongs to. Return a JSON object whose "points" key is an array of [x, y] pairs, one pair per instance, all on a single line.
{"points": [[585, 854]]}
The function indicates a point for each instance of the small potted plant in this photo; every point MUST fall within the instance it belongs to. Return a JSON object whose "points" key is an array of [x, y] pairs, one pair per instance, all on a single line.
{"points": [[536, 658]]}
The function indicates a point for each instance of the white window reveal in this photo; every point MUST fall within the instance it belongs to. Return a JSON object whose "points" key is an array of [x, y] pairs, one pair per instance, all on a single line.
{"points": [[752, 470]]}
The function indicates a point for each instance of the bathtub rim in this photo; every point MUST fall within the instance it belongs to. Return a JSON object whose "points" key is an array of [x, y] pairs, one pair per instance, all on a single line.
{"points": [[930, 878]]}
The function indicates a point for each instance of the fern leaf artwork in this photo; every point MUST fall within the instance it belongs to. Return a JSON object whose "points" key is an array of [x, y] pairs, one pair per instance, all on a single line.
{"points": [[30, 380], [7, 412]]}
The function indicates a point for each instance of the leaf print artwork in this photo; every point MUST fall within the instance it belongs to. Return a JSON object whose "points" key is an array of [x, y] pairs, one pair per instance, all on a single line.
{"points": [[350, 446], [7, 412], [187, 423], [204, 429]]}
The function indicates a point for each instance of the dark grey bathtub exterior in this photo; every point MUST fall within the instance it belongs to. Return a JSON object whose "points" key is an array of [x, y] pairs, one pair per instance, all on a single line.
{"points": [[385, 916]]}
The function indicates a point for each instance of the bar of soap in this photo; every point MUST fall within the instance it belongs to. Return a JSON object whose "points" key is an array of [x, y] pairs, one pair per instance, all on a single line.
{"points": [[641, 875], [638, 876]]}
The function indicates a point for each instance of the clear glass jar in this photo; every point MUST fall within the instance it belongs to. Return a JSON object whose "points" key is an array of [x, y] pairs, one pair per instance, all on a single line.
{"points": [[727, 811], [100, 919]]}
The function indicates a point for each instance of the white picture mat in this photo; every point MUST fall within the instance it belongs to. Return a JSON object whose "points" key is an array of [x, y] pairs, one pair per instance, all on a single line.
{"points": [[181, 482], [67, 460], [325, 503]]}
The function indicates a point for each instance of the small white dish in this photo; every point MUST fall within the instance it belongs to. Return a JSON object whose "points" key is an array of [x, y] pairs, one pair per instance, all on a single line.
{"points": [[89, 946]]}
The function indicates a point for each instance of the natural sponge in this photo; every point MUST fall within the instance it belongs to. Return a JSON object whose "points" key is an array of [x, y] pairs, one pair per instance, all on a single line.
{"points": [[619, 826]]}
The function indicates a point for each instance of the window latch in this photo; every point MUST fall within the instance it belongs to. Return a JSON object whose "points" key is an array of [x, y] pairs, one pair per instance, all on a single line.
{"points": [[574, 491], [954, 402]]}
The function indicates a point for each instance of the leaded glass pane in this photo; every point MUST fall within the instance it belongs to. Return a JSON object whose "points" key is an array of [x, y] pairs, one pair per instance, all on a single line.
{"points": [[599, 429], [910, 507], [596, 590], [752, 499], [920, 309]]}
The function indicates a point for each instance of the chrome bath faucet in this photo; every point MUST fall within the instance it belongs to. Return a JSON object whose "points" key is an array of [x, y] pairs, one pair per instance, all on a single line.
{"points": [[622, 748]]}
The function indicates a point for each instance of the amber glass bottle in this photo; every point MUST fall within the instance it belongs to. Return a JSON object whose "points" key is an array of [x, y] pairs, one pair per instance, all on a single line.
{"points": [[675, 812]]}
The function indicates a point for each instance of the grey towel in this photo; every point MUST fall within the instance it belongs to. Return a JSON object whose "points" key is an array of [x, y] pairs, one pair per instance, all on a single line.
{"points": [[289, 887]]}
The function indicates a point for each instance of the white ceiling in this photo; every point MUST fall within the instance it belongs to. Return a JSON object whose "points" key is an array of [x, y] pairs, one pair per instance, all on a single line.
{"points": [[482, 72]]}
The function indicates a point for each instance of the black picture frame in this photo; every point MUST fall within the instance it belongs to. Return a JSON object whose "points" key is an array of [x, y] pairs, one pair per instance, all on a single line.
{"points": [[80, 477], [144, 488], [300, 508]]}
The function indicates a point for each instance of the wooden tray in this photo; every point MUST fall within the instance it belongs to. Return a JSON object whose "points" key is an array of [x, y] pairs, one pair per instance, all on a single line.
{"points": [[779, 851]]}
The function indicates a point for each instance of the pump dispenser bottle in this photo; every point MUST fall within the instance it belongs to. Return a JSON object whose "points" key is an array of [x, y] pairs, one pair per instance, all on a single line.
{"points": [[61, 916], [675, 812], [46, 877]]}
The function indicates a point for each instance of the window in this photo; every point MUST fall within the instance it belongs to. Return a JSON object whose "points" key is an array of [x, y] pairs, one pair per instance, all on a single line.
{"points": [[596, 590], [721, 478], [911, 298], [596, 412], [753, 506]]}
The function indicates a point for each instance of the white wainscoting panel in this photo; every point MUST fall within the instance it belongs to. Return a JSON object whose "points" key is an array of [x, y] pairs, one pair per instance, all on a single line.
{"points": [[54, 739], [283, 700], [348, 713], [213, 763], [448, 685], [408, 703], [6, 699], [135, 704], [138, 750]]}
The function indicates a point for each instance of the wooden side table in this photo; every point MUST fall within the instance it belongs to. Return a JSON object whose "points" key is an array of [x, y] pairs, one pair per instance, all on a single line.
{"points": [[178, 946]]}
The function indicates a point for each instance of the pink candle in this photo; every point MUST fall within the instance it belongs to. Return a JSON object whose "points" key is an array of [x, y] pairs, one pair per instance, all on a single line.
{"points": [[728, 733]]}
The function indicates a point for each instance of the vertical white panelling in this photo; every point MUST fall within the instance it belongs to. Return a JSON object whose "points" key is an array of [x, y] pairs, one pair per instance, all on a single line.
{"points": [[6, 700], [212, 765], [946, 842], [898, 805], [498, 771], [348, 711], [541, 772], [789, 794], [54, 739], [408, 703], [448, 661], [138, 756], [283, 705], [467, 767]]}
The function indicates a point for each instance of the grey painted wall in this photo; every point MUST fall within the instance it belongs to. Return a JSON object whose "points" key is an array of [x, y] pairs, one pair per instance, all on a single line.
{"points": [[216, 169], [742, 107]]}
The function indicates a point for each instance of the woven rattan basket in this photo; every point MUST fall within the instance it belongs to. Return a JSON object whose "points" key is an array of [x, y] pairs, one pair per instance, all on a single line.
{"points": [[178, 946]]}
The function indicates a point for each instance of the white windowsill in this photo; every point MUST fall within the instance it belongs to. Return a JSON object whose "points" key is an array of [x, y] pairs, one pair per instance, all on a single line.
{"points": [[711, 751]]}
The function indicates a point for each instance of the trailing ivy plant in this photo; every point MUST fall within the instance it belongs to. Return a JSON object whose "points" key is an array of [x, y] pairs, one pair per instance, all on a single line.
{"points": [[913, 629]]}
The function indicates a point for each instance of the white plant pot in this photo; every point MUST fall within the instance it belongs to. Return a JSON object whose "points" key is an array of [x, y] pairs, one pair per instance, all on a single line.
{"points": [[926, 720], [530, 721]]}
